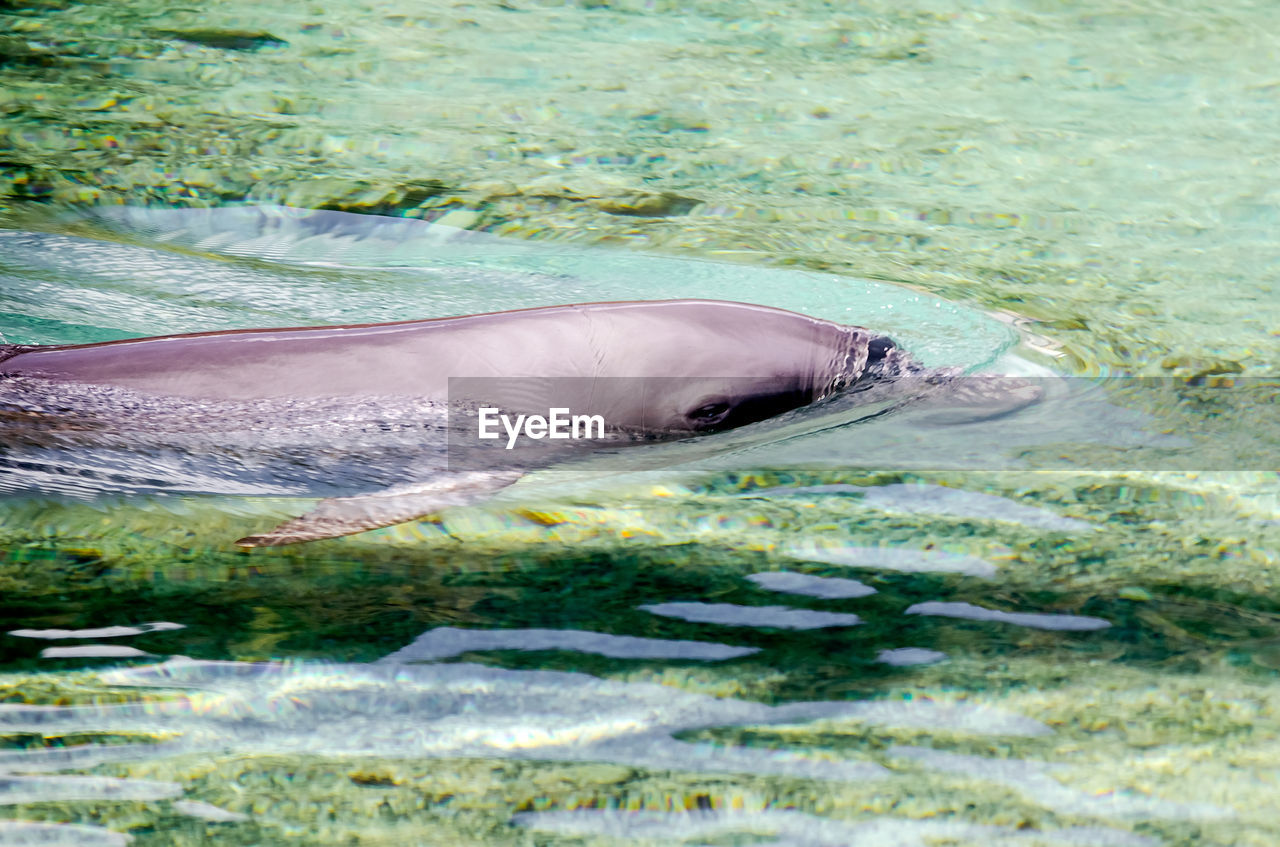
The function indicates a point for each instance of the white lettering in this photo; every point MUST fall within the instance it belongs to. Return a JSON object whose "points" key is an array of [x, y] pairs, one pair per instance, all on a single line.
{"points": [[513, 432], [559, 424], [536, 426], [488, 420], [587, 421]]}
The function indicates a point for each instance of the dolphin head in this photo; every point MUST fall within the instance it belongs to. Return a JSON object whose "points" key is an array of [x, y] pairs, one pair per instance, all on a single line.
{"points": [[703, 366]]}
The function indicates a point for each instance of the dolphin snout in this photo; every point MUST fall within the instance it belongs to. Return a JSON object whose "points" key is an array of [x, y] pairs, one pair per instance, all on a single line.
{"points": [[878, 348]]}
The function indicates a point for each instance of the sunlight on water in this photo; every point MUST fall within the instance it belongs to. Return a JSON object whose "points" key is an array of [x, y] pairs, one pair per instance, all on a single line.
{"points": [[446, 642], [894, 558], [79, 835], [936, 500], [811, 586], [968, 611], [404, 710], [729, 614], [797, 829]]}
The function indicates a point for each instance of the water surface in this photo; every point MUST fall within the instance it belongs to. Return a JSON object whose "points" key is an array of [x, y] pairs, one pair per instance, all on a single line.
{"points": [[1053, 624]]}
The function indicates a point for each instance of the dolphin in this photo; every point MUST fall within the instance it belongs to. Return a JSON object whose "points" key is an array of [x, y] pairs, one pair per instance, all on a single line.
{"points": [[653, 370]]}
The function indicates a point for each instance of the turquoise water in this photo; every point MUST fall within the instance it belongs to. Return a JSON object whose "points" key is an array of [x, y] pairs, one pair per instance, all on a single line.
{"points": [[1045, 623]]}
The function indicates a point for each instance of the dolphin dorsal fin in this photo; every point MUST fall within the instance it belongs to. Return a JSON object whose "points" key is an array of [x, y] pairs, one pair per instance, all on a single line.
{"points": [[348, 515]]}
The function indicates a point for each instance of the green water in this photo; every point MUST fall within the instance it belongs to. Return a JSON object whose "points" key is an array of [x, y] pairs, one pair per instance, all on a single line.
{"points": [[1088, 183]]}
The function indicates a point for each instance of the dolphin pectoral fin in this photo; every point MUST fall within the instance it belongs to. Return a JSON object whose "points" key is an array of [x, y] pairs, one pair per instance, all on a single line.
{"points": [[348, 515]]}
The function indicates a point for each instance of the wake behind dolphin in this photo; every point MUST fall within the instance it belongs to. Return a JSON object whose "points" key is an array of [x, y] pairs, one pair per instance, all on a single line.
{"points": [[337, 411]]}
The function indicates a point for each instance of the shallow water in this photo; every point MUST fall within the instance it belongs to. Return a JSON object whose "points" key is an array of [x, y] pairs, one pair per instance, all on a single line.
{"points": [[912, 621]]}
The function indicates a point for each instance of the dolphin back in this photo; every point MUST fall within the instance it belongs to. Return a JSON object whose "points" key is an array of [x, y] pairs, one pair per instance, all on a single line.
{"points": [[8, 351]]}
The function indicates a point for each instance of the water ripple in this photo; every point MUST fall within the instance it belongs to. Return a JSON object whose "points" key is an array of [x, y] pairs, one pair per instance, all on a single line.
{"points": [[1036, 620], [902, 559], [1034, 780], [33, 833], [730, 614], [446, 641], [832, 588], [789, 828]]}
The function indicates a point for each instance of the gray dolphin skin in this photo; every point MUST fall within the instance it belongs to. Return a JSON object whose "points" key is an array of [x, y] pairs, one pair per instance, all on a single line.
{"points": [[707, 366], [784, 350]]}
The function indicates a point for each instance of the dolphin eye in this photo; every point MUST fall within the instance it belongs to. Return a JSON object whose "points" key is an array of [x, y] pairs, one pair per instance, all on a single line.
{"points": [[710, 411]]}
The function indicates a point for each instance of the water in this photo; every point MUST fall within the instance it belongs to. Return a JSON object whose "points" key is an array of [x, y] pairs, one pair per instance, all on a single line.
{"points": [[1052, 622]]}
